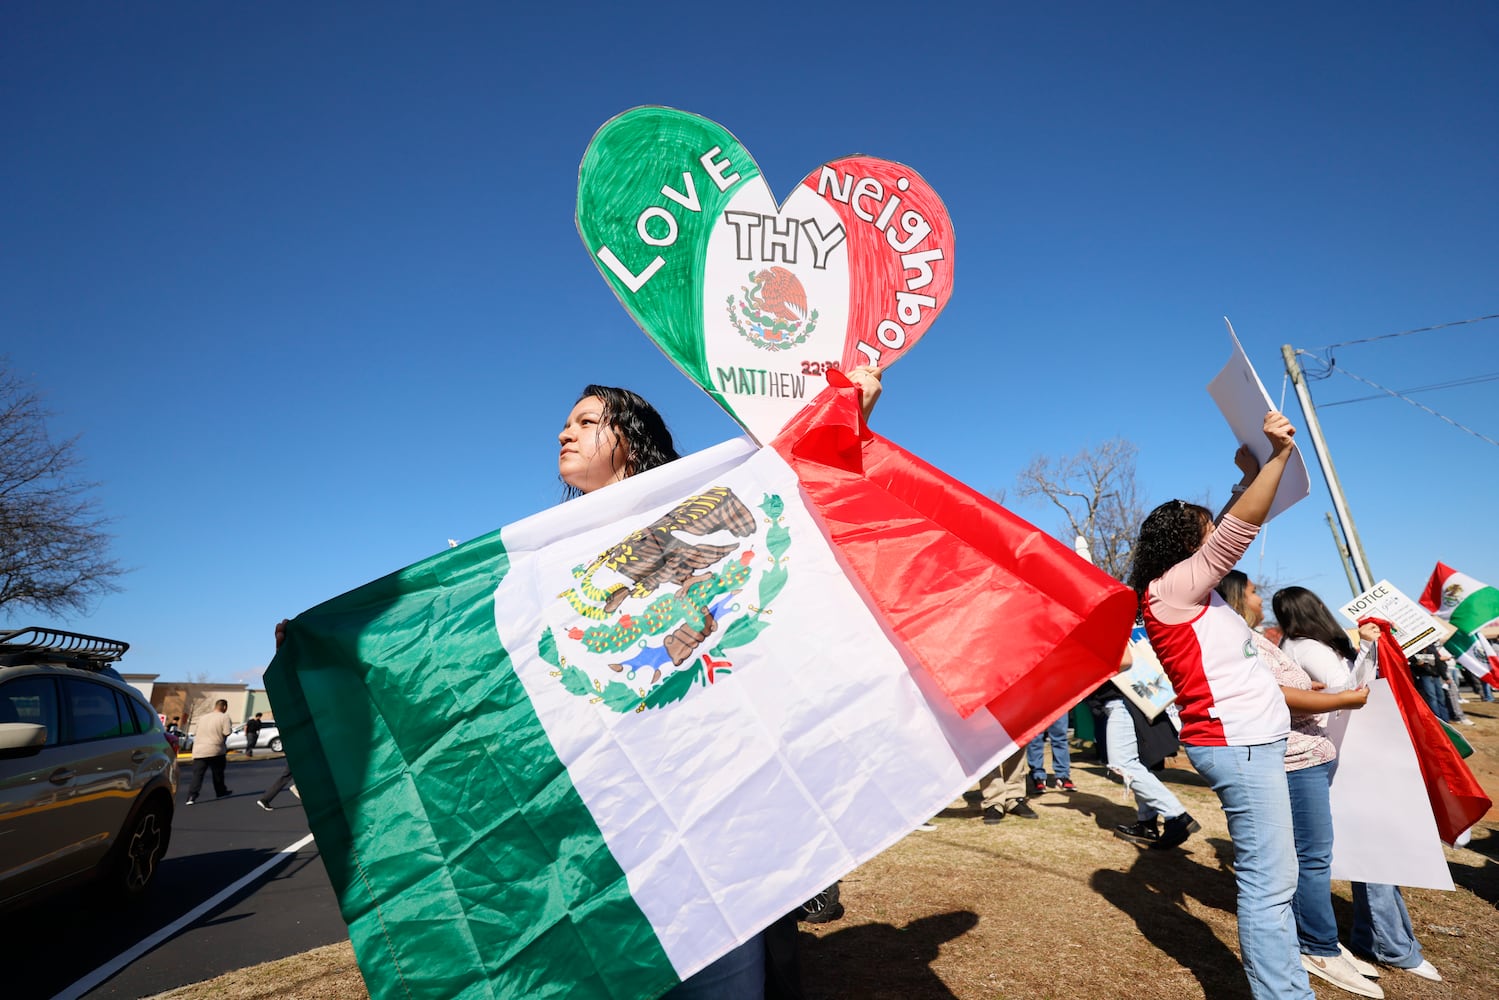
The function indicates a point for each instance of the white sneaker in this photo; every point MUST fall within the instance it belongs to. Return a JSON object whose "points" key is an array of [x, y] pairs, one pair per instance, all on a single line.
{"points": [[1426, 971], [927, 827], [1336, 970], [1366, 969]]}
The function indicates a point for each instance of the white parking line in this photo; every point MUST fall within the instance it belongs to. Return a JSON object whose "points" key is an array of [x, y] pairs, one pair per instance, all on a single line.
{"points": [[123, 959]]}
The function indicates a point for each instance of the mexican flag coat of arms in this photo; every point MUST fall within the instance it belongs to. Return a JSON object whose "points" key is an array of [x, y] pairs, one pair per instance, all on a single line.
{"points": [[593, 751]]}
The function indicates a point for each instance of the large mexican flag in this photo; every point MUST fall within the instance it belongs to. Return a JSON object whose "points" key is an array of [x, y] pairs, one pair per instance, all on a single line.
{"points": [[1469, 605], [591, 752]]}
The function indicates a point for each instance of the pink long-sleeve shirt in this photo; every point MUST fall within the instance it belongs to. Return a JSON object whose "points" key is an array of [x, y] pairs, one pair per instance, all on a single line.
{"points": [[1226, 694]]}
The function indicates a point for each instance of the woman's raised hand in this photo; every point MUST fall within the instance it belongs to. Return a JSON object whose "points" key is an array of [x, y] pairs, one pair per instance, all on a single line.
{"points": [[1278, 431], [1246, 462], [1368, 632], [867, 378]]}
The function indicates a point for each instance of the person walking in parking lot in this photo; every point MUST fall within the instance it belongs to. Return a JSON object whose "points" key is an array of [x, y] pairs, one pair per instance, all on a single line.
{"points": [[281, 782], [209, 753], [252, 735]]}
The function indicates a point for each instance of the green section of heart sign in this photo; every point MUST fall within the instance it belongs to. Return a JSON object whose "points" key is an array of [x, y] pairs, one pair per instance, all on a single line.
{"points": [[651, 187]]}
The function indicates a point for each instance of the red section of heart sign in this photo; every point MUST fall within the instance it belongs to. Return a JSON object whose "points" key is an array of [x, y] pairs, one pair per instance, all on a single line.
{"points": [[900, 253]]}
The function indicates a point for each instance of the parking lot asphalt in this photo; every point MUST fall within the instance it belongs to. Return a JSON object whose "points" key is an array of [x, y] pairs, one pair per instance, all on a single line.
{"points": [[55, 943]]}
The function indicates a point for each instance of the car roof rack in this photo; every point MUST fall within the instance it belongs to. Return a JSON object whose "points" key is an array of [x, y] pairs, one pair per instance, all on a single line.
{"points": [[24, 645]]}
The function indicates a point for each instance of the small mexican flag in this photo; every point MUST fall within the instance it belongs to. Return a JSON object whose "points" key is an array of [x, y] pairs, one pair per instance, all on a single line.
{"points": [[588, 754], [1469, 606]]}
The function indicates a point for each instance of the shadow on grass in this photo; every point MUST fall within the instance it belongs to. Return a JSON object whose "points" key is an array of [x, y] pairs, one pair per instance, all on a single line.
{"points": [[1481, 880], [1154, 893], [881, 960]]}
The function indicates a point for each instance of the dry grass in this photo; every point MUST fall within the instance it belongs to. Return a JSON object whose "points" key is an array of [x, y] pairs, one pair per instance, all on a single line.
{"points": [[1053, 908]]}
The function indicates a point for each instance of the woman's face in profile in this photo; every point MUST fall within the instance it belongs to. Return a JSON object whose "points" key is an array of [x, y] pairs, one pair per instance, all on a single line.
{"points": [[592, 454]]}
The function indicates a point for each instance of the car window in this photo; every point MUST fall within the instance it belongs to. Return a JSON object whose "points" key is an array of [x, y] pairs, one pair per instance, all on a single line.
{"points": [[130, 723], [34, 700], [95, 713], [145, 720]]}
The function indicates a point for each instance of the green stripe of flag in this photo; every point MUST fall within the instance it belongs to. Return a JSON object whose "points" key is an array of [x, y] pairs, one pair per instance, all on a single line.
{"points": [[1477, 609], [464, 860]]}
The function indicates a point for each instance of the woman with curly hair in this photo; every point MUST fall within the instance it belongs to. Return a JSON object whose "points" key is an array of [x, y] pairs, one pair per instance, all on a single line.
{"points": [[1317, 643], [1234, 717], [1311, 758]]}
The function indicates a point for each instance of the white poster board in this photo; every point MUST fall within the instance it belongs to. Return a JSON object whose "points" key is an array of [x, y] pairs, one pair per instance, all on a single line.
{"points": [[1413, 626], [1383, 830], [1242, 399]]}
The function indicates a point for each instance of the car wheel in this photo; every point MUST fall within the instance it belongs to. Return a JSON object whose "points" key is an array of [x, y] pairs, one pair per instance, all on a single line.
{"points": [[140, 850], [275, 744]]}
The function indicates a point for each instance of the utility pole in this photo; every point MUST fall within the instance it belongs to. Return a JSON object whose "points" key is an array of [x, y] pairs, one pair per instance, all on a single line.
{"points": [[1337, 541], [1361, 570]]}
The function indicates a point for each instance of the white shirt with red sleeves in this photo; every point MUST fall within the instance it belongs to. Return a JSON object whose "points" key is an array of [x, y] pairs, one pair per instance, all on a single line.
{"points": [[1226, 694]]}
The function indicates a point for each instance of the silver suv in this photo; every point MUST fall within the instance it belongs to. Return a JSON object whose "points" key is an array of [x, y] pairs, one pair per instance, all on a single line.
{"points": [[87, 776]]}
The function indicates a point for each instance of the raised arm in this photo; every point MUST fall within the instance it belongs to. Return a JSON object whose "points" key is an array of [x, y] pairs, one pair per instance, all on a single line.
{"points": [[1253, 504]]}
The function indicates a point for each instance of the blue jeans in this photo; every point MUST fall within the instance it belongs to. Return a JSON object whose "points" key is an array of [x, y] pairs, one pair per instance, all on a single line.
{"points": [[738, 975], [1251, 785], [1435, 695], [1152, 798], [1311, 814], [1382, 928], [1061, 756]]}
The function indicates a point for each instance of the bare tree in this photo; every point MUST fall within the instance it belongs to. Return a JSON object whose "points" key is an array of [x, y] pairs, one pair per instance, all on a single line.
{"points": [[1095, 489], [54, 552]]}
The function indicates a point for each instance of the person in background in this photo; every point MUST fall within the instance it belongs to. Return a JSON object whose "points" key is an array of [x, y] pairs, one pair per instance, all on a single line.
{"points": [[1004, 791], [209, 752], [1061, 758], [1234, 718], [1123, 750], [1311, 758], [1427, 669], [1381, 926], [252, 734], [282, 780]]}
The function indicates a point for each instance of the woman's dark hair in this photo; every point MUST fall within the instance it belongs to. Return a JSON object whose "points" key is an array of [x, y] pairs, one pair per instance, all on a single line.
{"points": [[642, 432], [1234, 588], [1302, 615], [1169, 534]]}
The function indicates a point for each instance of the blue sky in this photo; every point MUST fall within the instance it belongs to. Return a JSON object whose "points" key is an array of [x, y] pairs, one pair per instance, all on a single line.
{"points": [[306, 279]]}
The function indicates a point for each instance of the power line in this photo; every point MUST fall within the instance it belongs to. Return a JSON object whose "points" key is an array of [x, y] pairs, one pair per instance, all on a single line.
{"points": [[1407, 333], [1472, 380], [1419, 406]]}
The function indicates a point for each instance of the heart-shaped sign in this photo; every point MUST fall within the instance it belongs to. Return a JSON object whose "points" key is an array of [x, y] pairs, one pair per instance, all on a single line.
{"points": [[753, 301]]}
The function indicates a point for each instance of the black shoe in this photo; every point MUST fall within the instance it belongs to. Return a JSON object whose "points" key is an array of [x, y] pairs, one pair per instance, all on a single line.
{"points": [[822, 908], [224, 794], [973, 796], [1023, 810], [1145, 833], [1178, 829], [992, 815]]}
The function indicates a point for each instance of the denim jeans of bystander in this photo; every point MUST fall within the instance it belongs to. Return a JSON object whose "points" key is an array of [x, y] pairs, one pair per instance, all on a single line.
{"points": [[1311, 815], [1061, 754], [1382, 928], [1152, 798]]}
